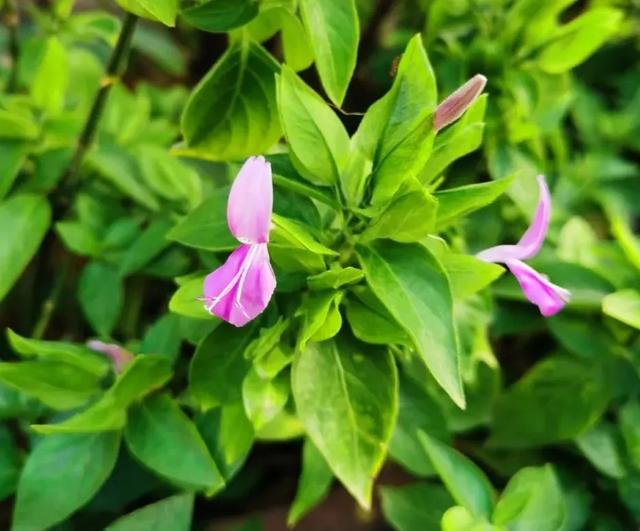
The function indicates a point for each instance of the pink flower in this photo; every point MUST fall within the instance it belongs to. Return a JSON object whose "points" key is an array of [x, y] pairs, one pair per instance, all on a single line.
{"points": [[548, 297], [240, 289], [119, 356], [454, 106]]}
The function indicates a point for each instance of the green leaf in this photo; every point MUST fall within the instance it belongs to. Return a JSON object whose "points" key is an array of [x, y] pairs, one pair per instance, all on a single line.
{"points": [[206, 226], [10, 463], [574, 42], [416, 411], [49, 85], [101, 295], [468, 275], [374, 327], [466, 483], [318, 317], [458, 202], [62, 474], [170, 514], [296, 44], [415, 289], [218, 16], [335, 278], [408, 218], [218, 366], [185, 300], [229, 436], [318, 141], [543, 408], [602, 446], [314, 484], [163, 337], [396, 132], [295, 234], [56, 384], [531, 501], [12, 155], [629, 420], [346, 397], [118, 167], [161, 436], [624, 306], [78, 355], [29, 217], [146, 247], [334, 31], [456, 141], [143, 375], [168, 176], [78, 238], [264, 398], [18, 125], [231, 114], [415, 507], [164, 11]]}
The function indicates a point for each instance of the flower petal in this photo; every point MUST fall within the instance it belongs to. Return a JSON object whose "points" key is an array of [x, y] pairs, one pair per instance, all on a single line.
{"points": [[240, 289], [533, 238], [454, 106], [251, 202], [119, 356], [548, 297]]}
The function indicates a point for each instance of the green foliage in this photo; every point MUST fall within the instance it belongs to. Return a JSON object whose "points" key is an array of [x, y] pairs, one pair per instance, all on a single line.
{"points": [[386, 338]]}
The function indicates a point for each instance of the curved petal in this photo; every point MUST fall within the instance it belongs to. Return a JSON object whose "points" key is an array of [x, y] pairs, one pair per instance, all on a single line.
{"points": [[251, 202], [533, 238], [119, 356], [548, 297], [240, 289]]}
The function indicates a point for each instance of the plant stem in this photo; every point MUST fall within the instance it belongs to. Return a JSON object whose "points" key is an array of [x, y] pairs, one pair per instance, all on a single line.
{"points": [[115, 69], [11, 20], [49, 304]]}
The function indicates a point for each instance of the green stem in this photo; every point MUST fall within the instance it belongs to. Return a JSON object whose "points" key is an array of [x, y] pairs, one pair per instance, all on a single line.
{"points": [[49, 304], [12, 21], [115, 69]]}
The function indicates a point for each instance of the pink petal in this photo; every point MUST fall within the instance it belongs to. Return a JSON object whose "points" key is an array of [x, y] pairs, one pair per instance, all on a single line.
{"points": [[251, 202], [548, 297], [533, 238], [240, 289], [454, 106], [119, 356]]}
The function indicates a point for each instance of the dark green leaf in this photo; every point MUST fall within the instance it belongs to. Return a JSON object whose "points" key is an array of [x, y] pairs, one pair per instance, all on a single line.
{"points": [[218, 366], [170, 514], [218, 16], [334, 31], [414, 288], [62, 473], [314, 484], [317, 139], [57, 384], [28, 216], [466, 483], [415, 507], [163, 438], [101, 294], [232, 112], [206, 227], [346, 397]]}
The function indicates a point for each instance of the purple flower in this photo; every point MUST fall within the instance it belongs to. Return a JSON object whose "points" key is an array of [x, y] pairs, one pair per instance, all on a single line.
{"points": [[240, 289], [119, 356], [454, 106], [548, 297]]}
